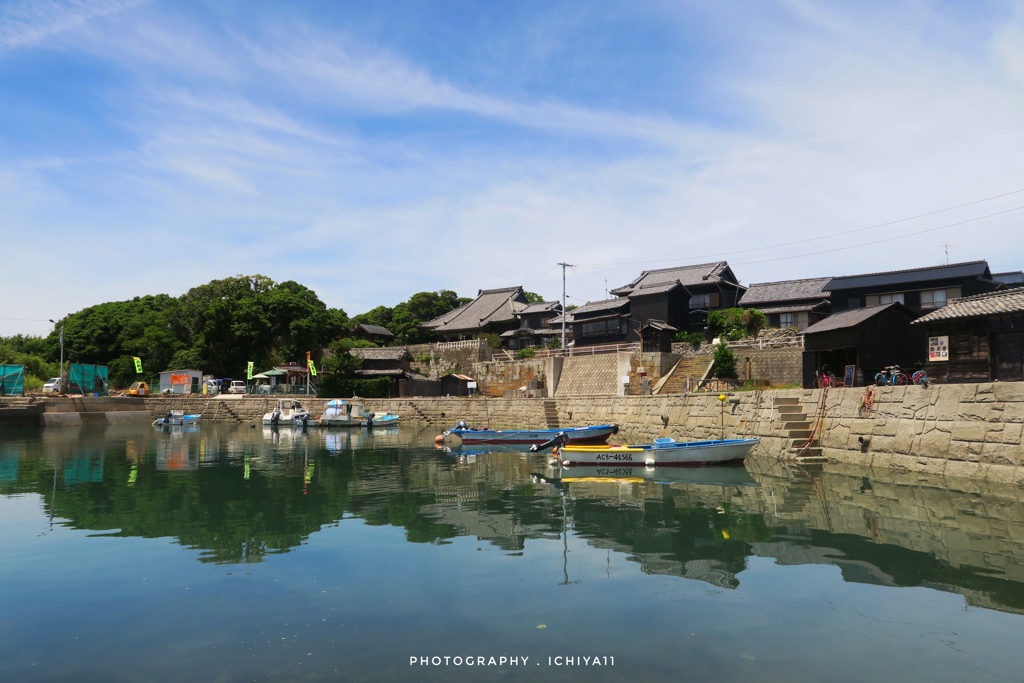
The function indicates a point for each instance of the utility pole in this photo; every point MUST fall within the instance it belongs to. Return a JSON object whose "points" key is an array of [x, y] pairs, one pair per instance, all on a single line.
{"points": [[60, 382], [564, 312]]}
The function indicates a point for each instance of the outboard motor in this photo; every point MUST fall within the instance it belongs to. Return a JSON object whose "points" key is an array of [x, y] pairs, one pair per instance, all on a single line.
{"points": [[275, 418], [461, 424], [560, 440], [302, 420]]}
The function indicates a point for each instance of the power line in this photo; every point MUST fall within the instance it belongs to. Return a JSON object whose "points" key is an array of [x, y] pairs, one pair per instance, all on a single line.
{"points": [[831, 235]]}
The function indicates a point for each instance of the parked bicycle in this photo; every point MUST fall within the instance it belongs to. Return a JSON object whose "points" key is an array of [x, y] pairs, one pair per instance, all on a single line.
{"points": [[824, 378], [893, 376]]}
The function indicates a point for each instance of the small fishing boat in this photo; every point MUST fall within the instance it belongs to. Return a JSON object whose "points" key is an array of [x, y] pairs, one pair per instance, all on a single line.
{"points": [[595, 434], [339, 413], [383, 420], [288, 412], [663, 452], [177, 418]]}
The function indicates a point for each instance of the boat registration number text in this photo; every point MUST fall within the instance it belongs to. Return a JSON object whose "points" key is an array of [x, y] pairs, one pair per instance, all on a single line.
{"points": [[612, 471], [613, 457]]}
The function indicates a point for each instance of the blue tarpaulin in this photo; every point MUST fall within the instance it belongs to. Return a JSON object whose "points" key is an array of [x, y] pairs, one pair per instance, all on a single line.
{"points": [[12, 380], [88, 380]]}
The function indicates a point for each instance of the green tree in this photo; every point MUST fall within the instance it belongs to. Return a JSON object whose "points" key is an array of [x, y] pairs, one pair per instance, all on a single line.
{"points": [[534, 298], [736, 323], [725, 361], [405, 320]]}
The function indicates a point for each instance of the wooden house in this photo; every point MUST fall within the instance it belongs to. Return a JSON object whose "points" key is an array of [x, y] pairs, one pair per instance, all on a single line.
{"points": [[868, 338], [381, 336], [976, 339], [790, 303], [919, 289], [534, 325], [599, 322], [682, 297]]}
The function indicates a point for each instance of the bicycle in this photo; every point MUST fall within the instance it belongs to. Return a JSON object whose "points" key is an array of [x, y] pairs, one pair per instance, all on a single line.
{"points": [[890, 376], [824, 378]]}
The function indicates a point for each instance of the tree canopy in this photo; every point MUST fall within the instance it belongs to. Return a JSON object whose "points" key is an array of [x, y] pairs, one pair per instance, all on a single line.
{"points": [[406, 318]]}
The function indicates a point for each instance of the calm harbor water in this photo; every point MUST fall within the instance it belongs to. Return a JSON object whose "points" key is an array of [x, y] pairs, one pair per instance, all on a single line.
{"points": [[236, 554]]}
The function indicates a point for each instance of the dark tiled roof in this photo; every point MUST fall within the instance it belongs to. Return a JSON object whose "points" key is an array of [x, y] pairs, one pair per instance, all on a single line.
{"points": [[700, 274], [792, 308], [528, 332], [375, 329], [399, 353], [543, 307], [914, 275], [644, 290], [786, 290], [981, 305], [846, 319], [490, 306], [605, 306], [390, 372], [1014, 277]]}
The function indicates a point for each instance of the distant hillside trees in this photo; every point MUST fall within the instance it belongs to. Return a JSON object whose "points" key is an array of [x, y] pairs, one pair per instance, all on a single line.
{"points": [[404, 319]]}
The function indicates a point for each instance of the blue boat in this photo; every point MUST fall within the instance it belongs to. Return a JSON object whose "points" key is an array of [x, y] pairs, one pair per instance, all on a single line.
{"points": [[176, 418], [595, 434]]}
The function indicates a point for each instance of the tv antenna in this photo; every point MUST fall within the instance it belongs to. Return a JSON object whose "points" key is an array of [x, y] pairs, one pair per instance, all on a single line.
{"points": [[946, 246]]}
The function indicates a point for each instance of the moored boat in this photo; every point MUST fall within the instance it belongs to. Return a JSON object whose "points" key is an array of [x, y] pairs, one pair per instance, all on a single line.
{"points": [[288, 412], [663, 452], [176, 418], [594, 434], [338, 413]]}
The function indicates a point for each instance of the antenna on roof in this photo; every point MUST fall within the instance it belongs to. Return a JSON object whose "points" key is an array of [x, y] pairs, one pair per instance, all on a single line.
{"points": [[946, 246]]}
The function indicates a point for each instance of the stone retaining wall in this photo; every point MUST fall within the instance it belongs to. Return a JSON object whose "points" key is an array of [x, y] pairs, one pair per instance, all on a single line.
{"points": [[945, 430]]}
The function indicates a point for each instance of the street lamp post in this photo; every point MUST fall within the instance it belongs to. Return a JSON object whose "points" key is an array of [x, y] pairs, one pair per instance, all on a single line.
{"points": [[61, 373]]}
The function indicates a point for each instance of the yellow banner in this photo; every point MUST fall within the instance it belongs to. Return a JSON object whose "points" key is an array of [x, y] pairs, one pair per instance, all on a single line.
{"points": [[312, 368], [248, 371], [138, 364]]}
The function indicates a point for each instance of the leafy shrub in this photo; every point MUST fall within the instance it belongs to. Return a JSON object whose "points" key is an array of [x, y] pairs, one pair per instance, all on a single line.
{"points": [[736, 323], [694, 338], [725, 361], [525, 353], [342, 387], [493, 340]]}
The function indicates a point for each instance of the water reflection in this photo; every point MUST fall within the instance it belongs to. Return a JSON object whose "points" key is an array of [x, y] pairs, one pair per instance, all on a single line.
{"points": [[240, 494]]}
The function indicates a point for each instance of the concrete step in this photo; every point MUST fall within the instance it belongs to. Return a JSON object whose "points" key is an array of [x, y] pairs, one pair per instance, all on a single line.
{"points": [[814, 453], [798, 444], [788, 401], [796, 424], [800, 434]]}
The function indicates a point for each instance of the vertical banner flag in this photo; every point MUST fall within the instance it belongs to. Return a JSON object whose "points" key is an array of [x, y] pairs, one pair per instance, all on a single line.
{"points": [[248, 371], [138, 364], [312, 368]]}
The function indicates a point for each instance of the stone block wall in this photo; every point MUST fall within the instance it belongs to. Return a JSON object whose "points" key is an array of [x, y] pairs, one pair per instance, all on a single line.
{"points": [[496, 377], [779, 365]]}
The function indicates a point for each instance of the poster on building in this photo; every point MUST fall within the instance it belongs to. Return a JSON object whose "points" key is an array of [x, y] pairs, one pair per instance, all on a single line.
{"points": [[938, 349]]}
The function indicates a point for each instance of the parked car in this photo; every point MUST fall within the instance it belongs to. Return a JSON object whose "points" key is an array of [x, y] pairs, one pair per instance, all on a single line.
{"points": [[237, 387], [52, 385]]}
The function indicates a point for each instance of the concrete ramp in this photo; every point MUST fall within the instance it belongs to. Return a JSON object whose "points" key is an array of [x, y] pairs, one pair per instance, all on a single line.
{"points": [[589, 376]]}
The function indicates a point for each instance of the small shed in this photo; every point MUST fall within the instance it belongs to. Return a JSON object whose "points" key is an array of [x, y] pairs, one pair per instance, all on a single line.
{"points": [[375, 333], [868, 338], [976, 339], [456, 385], [181, 381]]}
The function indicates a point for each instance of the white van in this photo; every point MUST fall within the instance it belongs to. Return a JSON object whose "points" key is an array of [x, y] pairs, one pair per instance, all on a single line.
{"points": [[237, 387]]}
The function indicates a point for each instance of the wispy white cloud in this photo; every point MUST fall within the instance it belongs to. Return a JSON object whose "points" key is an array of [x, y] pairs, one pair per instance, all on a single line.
{"points": [[28, 22]]}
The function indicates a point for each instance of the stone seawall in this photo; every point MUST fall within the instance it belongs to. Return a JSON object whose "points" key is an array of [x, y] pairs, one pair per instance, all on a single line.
{"points": [[947, 429]]}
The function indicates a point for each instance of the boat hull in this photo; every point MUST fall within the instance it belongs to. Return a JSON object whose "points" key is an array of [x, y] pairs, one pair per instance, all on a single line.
{"points": [[710, 475], [685, 454], [577, 435]]}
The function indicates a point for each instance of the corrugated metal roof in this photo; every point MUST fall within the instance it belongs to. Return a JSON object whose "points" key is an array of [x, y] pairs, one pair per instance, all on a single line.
{"points": [[785, 290], [981, 305], [903, 277], [846, 319]]}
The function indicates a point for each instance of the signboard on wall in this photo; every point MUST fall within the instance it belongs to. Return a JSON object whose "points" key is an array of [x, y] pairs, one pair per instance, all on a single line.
{"points": [[938, 349], [180, 379]]}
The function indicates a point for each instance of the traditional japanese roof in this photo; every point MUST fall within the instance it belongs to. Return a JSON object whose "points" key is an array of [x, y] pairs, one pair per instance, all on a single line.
{"points": [[656, 288], [978, 306], [895, 278], [1013, 278], [542, 307], [850, 318], [375, 330], [388, 353], [792, 308], [784, 290], [490, 306], [660, 325], [607, 306], [687, 276], [528, 332], [389, 372]]}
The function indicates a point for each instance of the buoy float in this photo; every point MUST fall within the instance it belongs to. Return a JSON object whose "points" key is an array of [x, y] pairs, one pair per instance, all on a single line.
{"points": [[439, 439]]}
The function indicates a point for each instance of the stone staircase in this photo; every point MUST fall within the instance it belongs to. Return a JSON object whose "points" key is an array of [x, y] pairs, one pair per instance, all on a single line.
{"points": [[589, 376], [798, 426], [551, 414], [693, 369]]}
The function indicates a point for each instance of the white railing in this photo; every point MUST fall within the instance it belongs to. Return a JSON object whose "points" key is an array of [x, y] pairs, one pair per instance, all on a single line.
{"points": [[467, 344], [632, 347]]}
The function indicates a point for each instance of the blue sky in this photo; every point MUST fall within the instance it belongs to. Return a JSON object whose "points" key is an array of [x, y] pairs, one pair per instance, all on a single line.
{"points": [[374, 150]]}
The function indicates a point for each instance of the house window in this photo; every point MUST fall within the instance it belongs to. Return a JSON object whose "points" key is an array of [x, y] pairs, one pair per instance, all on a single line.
{"points": [[701, 301], [937, 298], [853, 303], [879, 299], [798, 320], [603, 328]]}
